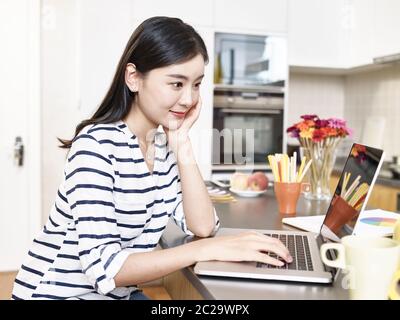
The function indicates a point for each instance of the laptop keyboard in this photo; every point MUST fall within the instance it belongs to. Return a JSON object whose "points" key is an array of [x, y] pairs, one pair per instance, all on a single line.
{"points": [[299, 249]]}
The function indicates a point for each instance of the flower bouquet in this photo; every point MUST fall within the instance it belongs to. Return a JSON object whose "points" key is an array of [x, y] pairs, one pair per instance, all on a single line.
{"points": [[319, 139]]}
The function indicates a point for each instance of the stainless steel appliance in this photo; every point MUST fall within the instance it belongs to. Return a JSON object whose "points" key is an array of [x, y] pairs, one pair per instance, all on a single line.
{"points": [[248, 125], [242, 59]]}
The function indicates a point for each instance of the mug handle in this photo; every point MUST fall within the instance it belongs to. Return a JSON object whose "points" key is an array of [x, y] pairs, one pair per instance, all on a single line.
{"points": [[339, 262], [396, 231], [394, 293], [305, 187]]}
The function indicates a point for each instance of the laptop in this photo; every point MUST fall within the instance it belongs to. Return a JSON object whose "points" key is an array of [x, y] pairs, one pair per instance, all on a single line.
{"points": [[351, 195]]}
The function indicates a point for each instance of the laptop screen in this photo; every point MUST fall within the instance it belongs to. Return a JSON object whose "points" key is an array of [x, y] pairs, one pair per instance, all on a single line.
{"points": [[352, 192]]}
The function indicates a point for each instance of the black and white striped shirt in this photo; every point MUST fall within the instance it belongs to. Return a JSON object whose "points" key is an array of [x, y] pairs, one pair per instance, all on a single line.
{"points": [[108, 206]]}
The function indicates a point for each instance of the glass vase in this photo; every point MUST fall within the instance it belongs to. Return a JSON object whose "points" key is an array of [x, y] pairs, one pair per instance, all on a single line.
{"points": [[323, 156]]}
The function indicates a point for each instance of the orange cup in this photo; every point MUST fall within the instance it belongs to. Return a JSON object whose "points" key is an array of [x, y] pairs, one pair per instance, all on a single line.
{"points": [[288, 193]]}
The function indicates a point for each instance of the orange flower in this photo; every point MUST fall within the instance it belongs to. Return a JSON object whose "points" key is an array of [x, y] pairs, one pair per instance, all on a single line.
{"points": [[302, 126], [310, 123], [307, 134], [330, 132]]}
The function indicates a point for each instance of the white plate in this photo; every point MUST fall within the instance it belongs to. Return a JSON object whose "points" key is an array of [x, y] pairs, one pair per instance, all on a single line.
{"points": [[247, 193]]}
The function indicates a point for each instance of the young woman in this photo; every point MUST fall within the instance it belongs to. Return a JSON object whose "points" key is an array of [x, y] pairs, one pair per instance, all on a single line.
{"points": [[124, 179]]}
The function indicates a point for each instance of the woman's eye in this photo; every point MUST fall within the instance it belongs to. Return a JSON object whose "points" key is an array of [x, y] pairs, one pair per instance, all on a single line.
{"points": [[197, 85], [177, 84]]}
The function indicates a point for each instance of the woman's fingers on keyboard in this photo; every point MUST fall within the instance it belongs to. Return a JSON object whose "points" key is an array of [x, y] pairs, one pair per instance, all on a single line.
{"points": [[264, 258]]}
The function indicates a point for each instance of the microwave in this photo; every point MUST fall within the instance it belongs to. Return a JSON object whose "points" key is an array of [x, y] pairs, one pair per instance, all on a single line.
{"points": [[247, 126], [250, 60]]}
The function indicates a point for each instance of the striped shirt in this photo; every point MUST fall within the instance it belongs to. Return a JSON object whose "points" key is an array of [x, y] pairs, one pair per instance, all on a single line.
{"points": [[108, 206]]}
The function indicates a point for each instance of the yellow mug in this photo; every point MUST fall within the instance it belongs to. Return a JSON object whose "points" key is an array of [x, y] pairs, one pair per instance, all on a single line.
{"points": [[370, 263], [394, 290]]}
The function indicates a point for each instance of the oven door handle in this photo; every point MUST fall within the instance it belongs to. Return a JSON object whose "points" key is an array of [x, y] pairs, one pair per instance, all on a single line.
{"points": [[252, 111]]}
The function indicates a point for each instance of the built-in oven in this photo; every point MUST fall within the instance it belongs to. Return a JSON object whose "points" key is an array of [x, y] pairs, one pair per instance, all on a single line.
{"points": [[248, 125]]}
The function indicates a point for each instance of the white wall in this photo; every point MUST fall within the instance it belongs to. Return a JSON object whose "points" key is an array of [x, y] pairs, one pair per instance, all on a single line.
{"points": [[104, 27], [375, 94]]}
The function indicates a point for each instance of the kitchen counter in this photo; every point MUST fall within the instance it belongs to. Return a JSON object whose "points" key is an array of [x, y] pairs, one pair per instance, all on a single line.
{"points": [[251, 213]]}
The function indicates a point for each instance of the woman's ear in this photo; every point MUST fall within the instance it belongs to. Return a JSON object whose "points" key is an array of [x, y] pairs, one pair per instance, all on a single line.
{"points": [[132, 77]]}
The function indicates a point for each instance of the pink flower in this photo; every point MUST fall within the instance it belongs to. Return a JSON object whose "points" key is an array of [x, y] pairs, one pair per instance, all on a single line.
{"points": [[321, 123], [337, 123]]}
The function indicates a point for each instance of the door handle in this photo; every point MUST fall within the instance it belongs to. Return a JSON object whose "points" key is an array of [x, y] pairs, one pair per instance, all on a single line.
{"points": [[18, 152], [252, 111]]}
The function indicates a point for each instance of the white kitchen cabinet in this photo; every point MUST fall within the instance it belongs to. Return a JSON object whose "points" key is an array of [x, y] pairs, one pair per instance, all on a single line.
{"points": [[374, 30], [386, 38], [361, 28], [266, 16], [343, 33], [317, 33], [199, 13]]}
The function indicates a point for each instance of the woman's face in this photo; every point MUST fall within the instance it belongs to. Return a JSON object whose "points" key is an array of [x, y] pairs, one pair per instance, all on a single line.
{"points": [[166, 94]]}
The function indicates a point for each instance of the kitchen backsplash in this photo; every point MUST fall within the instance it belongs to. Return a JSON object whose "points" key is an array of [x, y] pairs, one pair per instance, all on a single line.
{"points": [[365, 99], [312, 93], [376, 96]]}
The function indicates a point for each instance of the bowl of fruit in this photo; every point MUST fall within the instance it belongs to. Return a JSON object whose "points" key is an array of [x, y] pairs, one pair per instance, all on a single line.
{"points": [[249, 185]]}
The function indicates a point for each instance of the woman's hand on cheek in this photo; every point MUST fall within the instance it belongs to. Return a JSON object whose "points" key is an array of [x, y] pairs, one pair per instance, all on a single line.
{"points": [[180, 136], [191, 116]]}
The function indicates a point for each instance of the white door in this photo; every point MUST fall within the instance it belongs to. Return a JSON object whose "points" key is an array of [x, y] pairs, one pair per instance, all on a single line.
{"points": [[20, 216]]}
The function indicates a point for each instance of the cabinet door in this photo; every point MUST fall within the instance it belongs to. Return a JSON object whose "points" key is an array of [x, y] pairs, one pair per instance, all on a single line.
{"points": [[267, 16], [198, 13], [361, 27], [386, 27], [317, 33]]}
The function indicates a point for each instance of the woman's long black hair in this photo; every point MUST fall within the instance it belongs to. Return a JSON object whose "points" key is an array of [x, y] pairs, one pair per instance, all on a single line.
{"points": [[157, 42]]}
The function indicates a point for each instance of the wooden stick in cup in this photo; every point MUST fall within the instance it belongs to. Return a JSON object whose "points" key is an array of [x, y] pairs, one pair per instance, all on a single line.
{"points": [[293, 172], [279, 159], [274, 167], [287, 167], [280, 171], [283, 169]]}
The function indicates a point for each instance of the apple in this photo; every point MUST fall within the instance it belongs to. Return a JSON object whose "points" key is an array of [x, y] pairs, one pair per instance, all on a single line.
{"points": [[239, 181], [258, 181]]}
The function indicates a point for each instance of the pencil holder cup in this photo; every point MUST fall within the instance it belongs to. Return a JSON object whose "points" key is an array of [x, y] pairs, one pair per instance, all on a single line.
{"points": [[287, 194], [339, 214]]}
